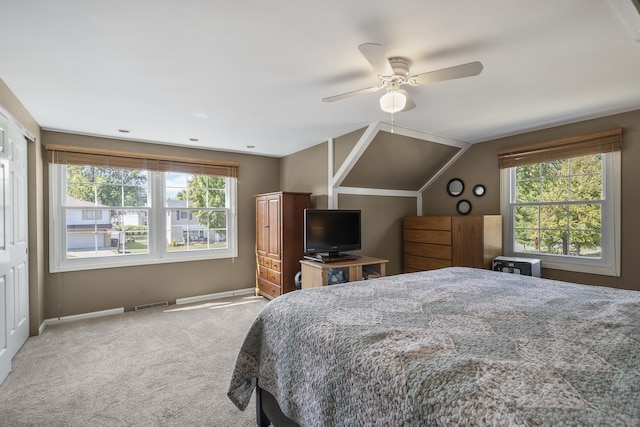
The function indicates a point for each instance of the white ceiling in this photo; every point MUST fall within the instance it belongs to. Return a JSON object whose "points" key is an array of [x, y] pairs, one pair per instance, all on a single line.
{"points": [[252, 73]]}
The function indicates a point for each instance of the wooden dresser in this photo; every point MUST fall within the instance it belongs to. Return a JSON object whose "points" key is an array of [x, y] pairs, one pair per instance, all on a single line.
{"points": [[279, 246], [432, 242]]}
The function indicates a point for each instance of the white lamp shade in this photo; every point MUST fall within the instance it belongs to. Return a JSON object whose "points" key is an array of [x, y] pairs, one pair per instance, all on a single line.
{"points": [[393, 101]]}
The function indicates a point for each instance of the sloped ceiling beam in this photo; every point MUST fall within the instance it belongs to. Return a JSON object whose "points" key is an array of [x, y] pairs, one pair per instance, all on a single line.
{"points": [[355, 154], [335, 180]]}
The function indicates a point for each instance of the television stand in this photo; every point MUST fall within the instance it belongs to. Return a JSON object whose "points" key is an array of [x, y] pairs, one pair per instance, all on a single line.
{"points": [[316, 273], [331, 257]]}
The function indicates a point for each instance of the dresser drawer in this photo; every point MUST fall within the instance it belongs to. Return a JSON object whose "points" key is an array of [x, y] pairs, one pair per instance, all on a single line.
{"points": [[428, 222], [434, 237], [420, 263], [268, 289], [275, 265], [263, 272], [427, 250], [273, 277], [266, 262]]}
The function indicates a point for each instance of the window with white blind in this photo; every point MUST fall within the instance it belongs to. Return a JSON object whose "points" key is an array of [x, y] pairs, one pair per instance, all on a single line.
{"points": [[113, 209]]}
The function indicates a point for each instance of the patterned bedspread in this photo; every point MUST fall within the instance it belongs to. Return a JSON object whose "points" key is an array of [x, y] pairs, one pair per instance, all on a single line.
{"points": [[456, 346]]}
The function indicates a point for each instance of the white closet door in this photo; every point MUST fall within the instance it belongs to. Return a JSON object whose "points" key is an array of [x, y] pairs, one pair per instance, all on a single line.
{"points": [[14, 280]]}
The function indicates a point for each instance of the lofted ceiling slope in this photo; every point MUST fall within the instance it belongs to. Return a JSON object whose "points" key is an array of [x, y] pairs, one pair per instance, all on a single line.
{"points": [[396, 162]]}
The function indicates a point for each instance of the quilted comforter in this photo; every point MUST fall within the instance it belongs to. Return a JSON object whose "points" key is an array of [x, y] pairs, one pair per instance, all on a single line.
{"points": [[456, 346]]}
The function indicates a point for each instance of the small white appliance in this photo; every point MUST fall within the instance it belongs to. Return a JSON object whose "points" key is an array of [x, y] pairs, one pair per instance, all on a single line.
{"points": [[515, 265]]}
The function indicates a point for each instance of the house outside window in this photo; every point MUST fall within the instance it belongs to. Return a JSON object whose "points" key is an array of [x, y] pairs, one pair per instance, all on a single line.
{"points": [[89, 214], [564, 211], [201, 222], [103, 216]]}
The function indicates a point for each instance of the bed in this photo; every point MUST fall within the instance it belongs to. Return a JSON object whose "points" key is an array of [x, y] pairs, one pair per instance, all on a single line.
{"points": [[456, 346]]}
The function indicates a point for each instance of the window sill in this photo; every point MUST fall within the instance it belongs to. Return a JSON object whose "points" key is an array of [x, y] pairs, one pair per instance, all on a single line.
{"points": [[135, 261], [576, 265]]}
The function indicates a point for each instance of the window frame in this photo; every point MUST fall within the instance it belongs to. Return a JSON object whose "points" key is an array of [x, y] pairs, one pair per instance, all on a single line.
{"points": [[158, 251], [609, 263], [199, 254]]}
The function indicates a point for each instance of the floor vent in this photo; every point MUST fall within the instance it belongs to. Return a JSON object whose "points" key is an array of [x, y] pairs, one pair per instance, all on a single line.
{"points": [[152, 305]]}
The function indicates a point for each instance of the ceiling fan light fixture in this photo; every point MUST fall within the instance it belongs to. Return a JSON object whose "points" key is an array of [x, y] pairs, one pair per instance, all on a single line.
{"points": [[393, 101]]}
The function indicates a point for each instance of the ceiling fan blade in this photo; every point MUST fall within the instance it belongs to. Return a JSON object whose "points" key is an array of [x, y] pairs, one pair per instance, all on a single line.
{"points": [[456, 72], [410, 105], [374, 53], [352, 93]]}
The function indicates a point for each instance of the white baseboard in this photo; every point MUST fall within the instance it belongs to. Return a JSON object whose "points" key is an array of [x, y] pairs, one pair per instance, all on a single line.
{"points": [[42, 327], [187, 300], [218, 295], [82, 316]]}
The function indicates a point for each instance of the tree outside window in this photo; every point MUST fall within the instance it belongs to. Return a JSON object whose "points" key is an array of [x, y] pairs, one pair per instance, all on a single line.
{"points": [[122, 195], [204, 198], [558, 207]]}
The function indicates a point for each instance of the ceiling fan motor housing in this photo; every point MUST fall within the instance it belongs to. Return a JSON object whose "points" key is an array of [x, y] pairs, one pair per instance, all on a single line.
{"points": [[400, 66]]}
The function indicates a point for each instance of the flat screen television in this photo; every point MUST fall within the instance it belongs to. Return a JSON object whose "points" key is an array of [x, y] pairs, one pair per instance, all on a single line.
{"points": [[329, 232]]}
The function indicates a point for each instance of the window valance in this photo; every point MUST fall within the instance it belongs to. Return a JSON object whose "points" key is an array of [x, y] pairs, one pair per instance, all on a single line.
{"points": [[574, 146], [60, 154]]}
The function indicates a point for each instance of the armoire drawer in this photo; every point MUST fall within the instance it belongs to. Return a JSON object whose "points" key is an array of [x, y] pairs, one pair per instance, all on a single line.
{"points": [[268, 288], [274, 277], [268, 274]]}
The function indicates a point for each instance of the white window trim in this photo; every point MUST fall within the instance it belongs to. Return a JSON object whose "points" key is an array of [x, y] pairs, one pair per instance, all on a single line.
{"points": [[609, 263], [158, 253]]}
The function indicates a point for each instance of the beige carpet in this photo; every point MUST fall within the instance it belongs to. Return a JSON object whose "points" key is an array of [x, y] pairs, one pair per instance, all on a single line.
{"points": [[161, 367]]}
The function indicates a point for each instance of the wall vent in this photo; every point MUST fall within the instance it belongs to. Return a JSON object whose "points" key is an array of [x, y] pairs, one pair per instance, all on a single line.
{"points": [[152, 305]]}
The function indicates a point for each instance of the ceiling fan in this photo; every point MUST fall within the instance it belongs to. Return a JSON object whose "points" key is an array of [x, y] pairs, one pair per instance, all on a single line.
{"points": [[393, 72]]}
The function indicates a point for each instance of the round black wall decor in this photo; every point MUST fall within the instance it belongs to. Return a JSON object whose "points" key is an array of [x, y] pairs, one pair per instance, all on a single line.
{"points": [[479, 190], [463, 207], [455, 187]]}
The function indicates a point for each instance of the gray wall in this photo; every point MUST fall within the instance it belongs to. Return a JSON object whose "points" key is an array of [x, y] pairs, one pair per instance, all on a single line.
{"points": [[307, 170], [92, 290], [381, 225], [479, 165], [53, 295]]}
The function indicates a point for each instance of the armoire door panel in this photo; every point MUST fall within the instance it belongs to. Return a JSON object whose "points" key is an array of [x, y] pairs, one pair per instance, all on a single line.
{"points": [[261, 225], [273, 249]]}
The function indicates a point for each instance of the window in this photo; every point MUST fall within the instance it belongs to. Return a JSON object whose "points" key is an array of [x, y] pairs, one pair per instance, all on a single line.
{"points": [[91, 214], [201, 222], [110, 216], [564, 211]]}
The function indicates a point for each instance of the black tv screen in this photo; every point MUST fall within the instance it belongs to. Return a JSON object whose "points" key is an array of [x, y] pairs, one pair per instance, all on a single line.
{"points": [[331, 230]]}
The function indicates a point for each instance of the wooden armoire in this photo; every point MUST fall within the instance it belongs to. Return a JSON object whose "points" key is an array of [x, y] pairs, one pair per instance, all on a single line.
{"points": [[432, 242], [279, 246]]}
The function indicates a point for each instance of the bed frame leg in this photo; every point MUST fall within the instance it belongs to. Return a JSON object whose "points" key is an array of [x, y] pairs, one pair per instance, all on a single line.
{"points": [[261, 418]]}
